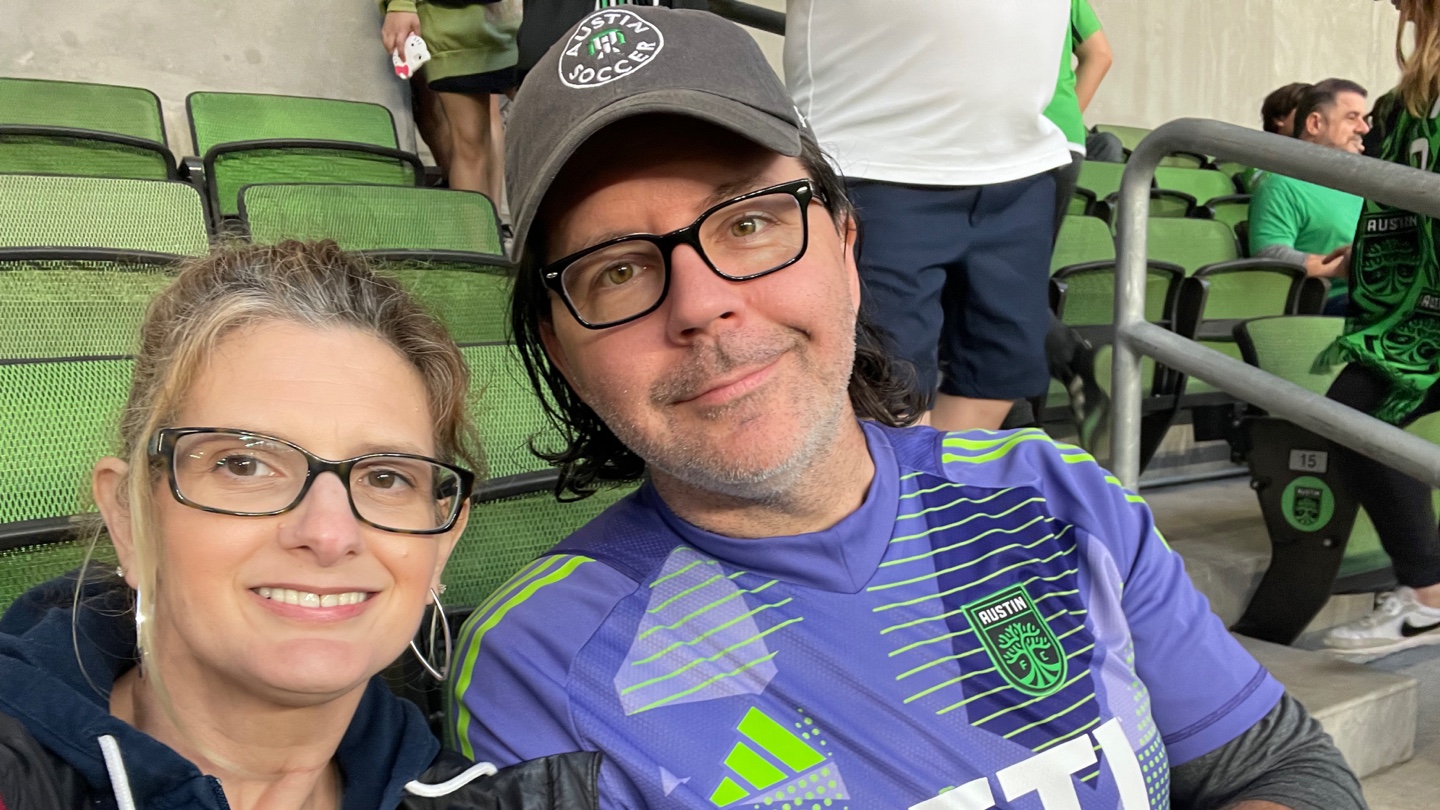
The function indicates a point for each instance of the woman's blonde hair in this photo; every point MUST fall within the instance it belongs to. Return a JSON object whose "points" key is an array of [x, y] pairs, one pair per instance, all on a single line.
{"points": [[313, 284], [1419, 86]]}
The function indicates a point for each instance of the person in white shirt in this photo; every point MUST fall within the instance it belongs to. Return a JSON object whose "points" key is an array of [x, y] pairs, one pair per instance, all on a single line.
{"points": [[935, 111]]}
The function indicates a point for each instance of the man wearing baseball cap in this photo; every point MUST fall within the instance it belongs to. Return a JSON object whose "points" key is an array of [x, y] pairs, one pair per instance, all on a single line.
{"points": [[806, 604]]}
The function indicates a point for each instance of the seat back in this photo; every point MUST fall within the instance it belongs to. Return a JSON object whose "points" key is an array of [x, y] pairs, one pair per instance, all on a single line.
{"points": [[217, 118], [75, 307], [1100, 178], [364, 217], [471, 298], [1287, 345], [55, 127], [1082, 240], [1232, 209], [1215, 298], [1089, 293], [506, 534], [92, 212], [1191, 243], [1130, 137], [56, 418], [1202, 184], [506, 411], [344, 142]]}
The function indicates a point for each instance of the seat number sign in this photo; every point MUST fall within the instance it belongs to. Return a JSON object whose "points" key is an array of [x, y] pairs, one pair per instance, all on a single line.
{"points": [[1309, 461]]}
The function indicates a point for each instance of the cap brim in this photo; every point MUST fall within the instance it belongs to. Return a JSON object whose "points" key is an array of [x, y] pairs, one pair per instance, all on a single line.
{"points": [[748, 122]]}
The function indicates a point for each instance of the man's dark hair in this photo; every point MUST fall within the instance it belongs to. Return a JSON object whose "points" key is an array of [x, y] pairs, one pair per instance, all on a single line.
{"points": [[1281, 103], [592, 455], [1321, 96]]}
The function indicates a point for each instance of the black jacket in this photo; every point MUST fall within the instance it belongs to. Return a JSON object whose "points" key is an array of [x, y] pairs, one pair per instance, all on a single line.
{"points": [[61, 748]]}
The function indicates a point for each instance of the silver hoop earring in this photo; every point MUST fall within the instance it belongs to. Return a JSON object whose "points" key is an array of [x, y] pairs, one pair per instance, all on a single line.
{"points": [[437, 616]]}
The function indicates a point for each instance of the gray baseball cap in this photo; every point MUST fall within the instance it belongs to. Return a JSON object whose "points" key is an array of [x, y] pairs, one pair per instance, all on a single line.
{"points": [[634, 60]]}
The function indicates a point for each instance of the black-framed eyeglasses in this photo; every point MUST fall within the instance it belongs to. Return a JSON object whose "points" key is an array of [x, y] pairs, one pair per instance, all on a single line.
{"points": [[239, 472], [740, 239]]}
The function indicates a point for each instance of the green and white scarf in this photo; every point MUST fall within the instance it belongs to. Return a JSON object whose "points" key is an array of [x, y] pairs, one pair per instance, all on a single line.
{"points": [[1394, 321]]}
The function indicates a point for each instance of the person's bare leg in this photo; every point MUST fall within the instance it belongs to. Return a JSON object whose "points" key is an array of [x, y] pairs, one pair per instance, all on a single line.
{"points": [[471, 168], [430, 120], [1428, 595], [965, 413], [497, 155]]}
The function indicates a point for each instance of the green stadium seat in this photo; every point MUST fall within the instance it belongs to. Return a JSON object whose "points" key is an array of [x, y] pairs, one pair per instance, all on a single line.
{"points": [[1082, 240], [1322, 542], [508, 529], [83, 305], [372, 217], [56, 418], [93, 212], [470, 296], [1202, 184], [1082, 203], [248, 138], [506, 411], [1191, 243], [1216, 298], [76, 128], [1130, 137], [1100, 178], [1167, 203], [1233, 210]]}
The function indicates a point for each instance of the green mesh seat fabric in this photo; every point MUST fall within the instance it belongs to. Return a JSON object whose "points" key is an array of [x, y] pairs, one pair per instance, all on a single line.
{"points": [[472, 299], [1202, 184], [1100, 178], [220, 122], [24, 567], [75, 307], [217, 118], [1183, 160], [1231, 169], [1287, 346], [1089, 298], [1130, 137], [56, 418], [1191, 243], [505, 535], [99, 130], [1078, 206], [361, 217], [1082, 240], [93, 212], [506, 411]]}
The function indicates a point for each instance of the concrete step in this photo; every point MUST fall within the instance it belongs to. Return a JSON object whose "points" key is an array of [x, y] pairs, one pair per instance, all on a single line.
{"points": [[1371, 714]]}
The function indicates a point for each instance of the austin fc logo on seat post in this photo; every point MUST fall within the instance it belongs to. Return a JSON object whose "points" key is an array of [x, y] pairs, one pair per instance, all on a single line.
{"points": [[608, 45]]}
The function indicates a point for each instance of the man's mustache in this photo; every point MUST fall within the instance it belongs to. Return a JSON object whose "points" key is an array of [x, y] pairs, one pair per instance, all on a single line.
{"points": [[711, 360]]}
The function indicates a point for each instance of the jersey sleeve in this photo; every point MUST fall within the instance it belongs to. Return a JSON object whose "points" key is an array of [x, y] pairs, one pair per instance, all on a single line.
{"points": [[1083, 22], [509, 697], [1275, 215], [1205, 689]]}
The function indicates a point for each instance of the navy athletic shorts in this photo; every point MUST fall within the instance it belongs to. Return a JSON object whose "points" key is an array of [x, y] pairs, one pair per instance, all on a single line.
{"points": [[957, 279]]}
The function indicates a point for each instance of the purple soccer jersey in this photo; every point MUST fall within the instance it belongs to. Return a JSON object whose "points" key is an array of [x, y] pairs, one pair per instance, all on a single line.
{"points": [[998, 625]]}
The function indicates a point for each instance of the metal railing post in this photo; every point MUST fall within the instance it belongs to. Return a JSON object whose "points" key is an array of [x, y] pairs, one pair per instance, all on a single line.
{"points": [[1385, 182]]}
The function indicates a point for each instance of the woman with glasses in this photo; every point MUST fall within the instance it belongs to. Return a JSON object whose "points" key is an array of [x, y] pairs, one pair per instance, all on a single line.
{"points": [[292, 477]]}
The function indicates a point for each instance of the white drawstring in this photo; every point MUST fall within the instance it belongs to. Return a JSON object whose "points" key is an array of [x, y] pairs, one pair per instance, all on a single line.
{"points": [[119, 779], [452, 784]]}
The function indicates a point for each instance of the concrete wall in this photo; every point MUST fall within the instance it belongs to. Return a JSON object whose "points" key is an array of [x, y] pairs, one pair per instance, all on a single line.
{"points": [[328, 48], [1174, 58], [1219, 58]]}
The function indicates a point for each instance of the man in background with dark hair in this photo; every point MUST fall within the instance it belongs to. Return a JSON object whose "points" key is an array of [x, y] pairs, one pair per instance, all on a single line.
{"points": [[804, 603], [1277, 111], [1308, 224]]}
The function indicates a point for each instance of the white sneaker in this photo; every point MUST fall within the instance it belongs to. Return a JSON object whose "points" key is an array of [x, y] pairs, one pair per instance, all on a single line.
{"points": [[1398, 623]]}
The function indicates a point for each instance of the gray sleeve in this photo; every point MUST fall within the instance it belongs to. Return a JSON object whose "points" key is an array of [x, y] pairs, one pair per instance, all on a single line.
{"points": [[1286, 758], [1284, 253]]}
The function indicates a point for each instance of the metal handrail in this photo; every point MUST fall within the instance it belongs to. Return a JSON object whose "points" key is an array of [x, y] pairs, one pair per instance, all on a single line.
{"points": [[752, 15], [1389, 183]]}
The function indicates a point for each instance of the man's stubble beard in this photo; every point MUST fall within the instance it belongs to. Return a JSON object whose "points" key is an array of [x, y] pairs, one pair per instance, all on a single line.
{"points": [[684, 457]]}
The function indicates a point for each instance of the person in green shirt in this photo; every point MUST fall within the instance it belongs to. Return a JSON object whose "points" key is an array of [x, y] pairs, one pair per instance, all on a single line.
{"points": [[1083, 65], [1310, 225]]}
